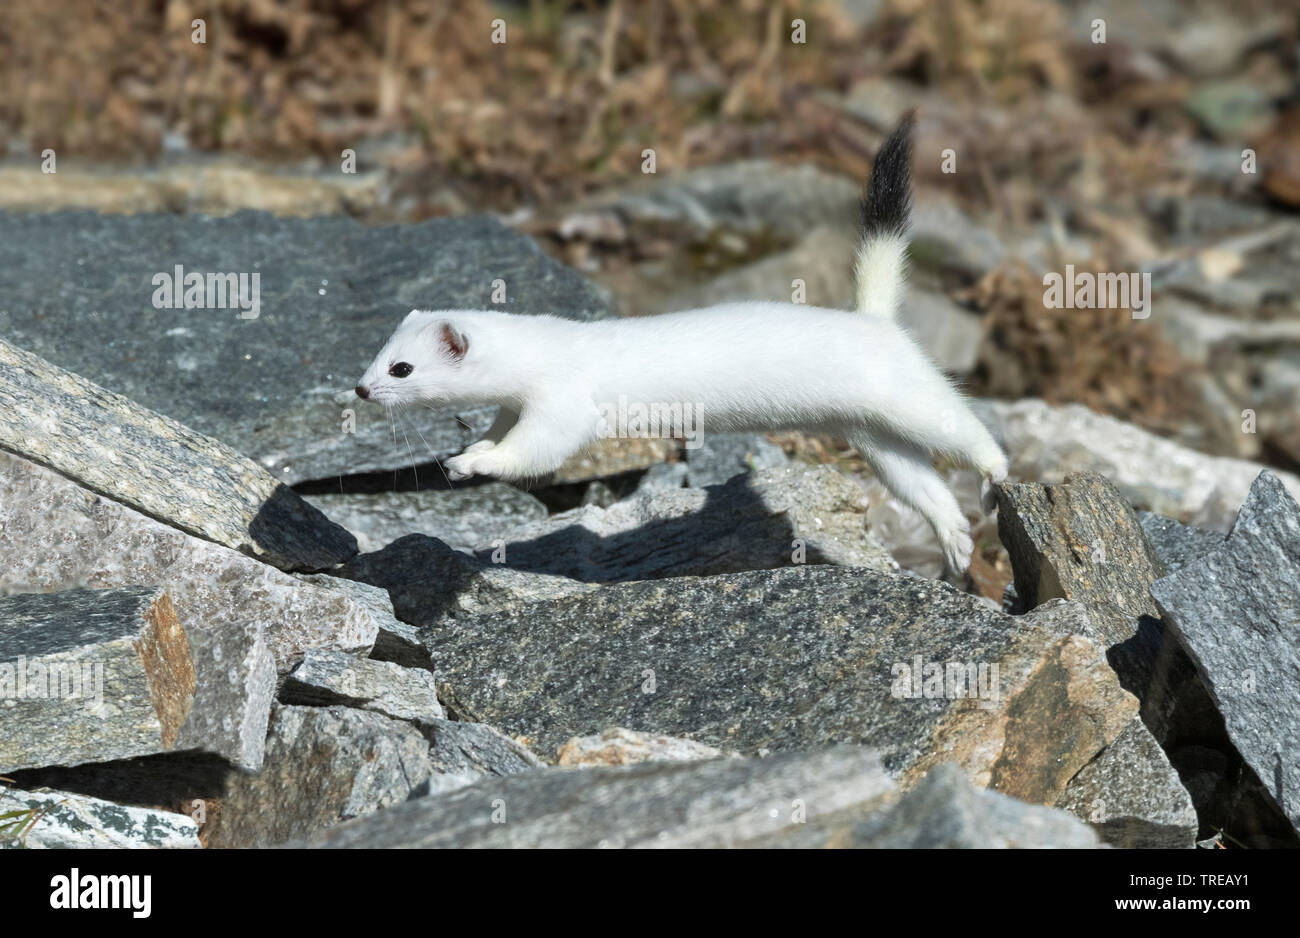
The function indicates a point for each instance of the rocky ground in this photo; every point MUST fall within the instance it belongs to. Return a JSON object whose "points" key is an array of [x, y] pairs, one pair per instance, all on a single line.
{"points": [[240, 608], [215, 632]]}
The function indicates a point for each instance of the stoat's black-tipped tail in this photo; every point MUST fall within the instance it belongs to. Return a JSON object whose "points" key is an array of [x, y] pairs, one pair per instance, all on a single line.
{"points": [[886, 208], [887, 203]]}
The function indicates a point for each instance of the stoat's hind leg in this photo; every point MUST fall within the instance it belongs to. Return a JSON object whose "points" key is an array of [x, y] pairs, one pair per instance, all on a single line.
{"points": [[905, 470]]}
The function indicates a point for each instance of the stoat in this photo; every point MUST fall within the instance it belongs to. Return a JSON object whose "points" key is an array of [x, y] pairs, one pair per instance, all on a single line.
{"points": [[742, 366]]}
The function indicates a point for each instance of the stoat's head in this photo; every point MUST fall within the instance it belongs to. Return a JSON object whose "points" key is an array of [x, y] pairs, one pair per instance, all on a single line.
{"points": [[423, 362]]}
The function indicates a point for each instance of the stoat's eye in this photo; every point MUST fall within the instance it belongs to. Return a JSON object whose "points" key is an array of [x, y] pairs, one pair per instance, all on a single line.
{"points": [[401, 369]]}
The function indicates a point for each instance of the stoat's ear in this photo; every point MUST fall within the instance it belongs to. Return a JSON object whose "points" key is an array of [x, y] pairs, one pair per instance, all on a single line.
{"points": [[453, 341]]}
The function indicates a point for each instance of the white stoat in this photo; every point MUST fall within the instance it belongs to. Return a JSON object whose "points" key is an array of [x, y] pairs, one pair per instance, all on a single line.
{"points": [[740, 366]]}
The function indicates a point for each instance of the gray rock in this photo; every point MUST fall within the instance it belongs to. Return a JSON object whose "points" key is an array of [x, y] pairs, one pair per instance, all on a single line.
{"points": [[60, 820], [244, 618], [945, 812], [796, 658], [117, 448], [464, 518], [395, 640], [724, 455], [277, 387], [91, 675], [1047, 443], [773, 517], [716, 803], [1236, 612], [1132, 796], [334, 677], [323, 765], [1174, 544], [475, 748]]}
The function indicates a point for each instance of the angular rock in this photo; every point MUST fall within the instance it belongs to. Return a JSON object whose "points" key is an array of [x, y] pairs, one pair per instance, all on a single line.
{"points": [[725, 455], [60, 820], [325, 677], [1079, 541], [618, 746], [1132, 796], [115, 447], [277, 387], [1236, 611], [475, 748], [796, 658], [769, 518], [90, 675], [323, 765], [716, 803], [395, 640], [244, 618], [463, 518], [944, 812], [1047, 443]]}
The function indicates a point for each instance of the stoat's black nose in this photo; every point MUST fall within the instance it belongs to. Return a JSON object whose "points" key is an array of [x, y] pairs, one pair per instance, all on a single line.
{"points": [[362, 391]]}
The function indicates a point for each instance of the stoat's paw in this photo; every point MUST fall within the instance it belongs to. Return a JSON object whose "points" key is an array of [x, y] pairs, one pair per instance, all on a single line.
{"points": [[462, 467], [957, 546], [480, 446]]}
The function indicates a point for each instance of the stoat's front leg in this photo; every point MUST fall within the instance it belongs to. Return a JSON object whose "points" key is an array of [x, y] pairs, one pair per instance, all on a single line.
{"points": [[506, 418], [548, 431]]}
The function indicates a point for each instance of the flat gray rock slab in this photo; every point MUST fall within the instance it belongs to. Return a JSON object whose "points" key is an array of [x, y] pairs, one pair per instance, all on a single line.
{"points": [[775, 517], [718, 803], [464, 518], [1132, 796], [323, 765], [77, 289], [1237, 612], [91, 675], [113, 446], [60, 820], [791, 659], [326, 677], [245, 619]]}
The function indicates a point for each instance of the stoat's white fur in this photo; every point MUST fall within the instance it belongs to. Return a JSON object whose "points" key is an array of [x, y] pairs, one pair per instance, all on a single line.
{"points": [[744, 366]]}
